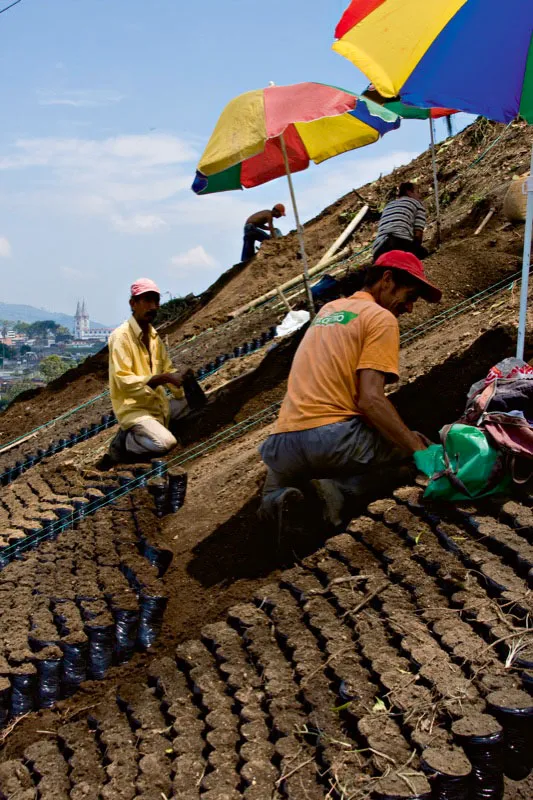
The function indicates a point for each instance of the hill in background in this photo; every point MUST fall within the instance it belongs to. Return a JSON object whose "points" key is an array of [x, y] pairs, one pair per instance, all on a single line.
{"points": [[21, 313]]}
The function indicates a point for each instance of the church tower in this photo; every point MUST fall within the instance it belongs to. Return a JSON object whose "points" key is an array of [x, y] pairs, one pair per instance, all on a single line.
{"points": [[85, 321], [81, 321], [77, 322]]}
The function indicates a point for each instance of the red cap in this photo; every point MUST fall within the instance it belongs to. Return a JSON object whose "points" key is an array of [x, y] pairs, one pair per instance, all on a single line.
{"points": [[281, 208], [398, 259]]}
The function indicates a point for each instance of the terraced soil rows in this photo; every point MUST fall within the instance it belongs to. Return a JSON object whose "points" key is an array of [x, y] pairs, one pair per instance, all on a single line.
{"points": [[50, 500], [384, 665], [83, 599], [85, 422]]}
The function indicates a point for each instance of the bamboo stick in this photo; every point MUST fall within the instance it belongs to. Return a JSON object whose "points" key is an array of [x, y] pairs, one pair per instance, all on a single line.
{"points": [[485, 221], [289, 284], [284, 299], [352, 225]]}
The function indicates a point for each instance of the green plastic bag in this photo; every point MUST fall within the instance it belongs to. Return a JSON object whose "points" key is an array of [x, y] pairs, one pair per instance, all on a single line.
{"points": [[463, 467]]}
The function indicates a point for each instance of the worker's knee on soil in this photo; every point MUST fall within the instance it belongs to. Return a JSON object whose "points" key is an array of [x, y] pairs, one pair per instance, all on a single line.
{"points": [[149, 436], [179, 408], [268, 508]]}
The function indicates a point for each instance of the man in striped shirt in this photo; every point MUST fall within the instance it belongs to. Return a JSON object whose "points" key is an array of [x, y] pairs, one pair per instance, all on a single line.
{"points": [[402, 224]]}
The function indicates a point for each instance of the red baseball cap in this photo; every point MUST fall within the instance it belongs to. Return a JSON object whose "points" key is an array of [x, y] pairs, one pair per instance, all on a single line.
{"points": [[398, 259], [281, 208]]}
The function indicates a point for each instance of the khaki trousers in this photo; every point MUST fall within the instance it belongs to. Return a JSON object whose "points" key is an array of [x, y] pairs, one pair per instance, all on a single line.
{"points": [[148, 436]]}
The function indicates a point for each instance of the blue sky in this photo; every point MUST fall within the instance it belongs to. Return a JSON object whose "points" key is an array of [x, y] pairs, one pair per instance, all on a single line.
{"points": [[106, 108]]}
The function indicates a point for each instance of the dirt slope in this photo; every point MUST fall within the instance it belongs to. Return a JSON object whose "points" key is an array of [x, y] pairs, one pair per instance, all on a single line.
{"points": [[174, 721], [462, 266]]}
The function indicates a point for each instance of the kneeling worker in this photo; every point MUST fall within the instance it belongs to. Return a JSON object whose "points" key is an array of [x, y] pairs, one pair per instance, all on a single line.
{"points": [[335, 422], [255, 229], [139, 369], [402, 224]]}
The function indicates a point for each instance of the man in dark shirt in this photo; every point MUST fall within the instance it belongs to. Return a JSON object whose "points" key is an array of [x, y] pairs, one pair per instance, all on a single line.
{"points": [[255, 229]]}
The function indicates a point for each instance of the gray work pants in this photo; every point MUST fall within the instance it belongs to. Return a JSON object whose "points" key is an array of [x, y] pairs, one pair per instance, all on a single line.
{"points": [[344, 452]]}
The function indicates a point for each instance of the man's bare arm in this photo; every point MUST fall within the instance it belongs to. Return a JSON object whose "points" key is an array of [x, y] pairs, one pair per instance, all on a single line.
{"points": [[382, 415], [271, 225], [419, 235]]}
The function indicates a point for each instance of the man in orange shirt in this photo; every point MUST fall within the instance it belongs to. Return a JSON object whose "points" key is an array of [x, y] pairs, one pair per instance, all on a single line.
{"points": [[335, 422]]}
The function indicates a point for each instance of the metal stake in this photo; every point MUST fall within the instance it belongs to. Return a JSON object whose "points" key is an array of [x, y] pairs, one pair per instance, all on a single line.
{"points": [[299, 228]]}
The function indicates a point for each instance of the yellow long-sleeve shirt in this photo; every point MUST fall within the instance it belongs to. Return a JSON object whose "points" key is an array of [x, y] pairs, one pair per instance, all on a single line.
{"points": [[131, 366]]}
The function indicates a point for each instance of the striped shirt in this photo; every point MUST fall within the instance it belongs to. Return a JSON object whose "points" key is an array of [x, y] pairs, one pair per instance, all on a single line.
{"points": [[401, 217]]}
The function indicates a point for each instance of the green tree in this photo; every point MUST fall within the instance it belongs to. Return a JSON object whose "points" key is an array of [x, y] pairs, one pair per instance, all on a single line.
{"points": [[5, 351], [63, 334], [25, 349], [20, 327], [41, 328], [53, 367]]}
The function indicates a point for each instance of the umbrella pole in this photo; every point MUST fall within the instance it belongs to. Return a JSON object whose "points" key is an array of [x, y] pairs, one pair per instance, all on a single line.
{"points": [[299, 228], [522, 319], [435, 179]]}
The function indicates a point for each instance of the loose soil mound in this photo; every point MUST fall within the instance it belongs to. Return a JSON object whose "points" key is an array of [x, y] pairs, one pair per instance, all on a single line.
{"points": [[343, 668], [463, 266]]}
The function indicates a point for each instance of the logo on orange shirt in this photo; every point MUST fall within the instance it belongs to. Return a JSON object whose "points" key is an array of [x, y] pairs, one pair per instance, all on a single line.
{"points": [[336, 318]]}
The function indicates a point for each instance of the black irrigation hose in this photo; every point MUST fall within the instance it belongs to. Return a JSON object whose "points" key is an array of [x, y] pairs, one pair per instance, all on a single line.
{"points": [[175, 495], [108, 420], [13, 472], [460, 308]]}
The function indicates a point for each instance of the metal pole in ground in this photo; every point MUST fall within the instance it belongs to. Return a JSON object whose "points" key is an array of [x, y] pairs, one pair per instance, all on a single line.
{"points": [[526, 261], [435, 179], [299, 228]]}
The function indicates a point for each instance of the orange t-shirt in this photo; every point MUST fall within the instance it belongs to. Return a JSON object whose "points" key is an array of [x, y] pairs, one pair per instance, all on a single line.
{"points": [[347, 335]]}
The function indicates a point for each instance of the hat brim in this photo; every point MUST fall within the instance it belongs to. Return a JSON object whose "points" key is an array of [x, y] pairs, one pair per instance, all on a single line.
{"points": [[429, 292]]}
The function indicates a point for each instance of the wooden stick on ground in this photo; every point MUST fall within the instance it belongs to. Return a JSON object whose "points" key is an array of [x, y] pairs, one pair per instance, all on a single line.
{"points": [[16, 444], [289, 284], [366, 600], [352, 225], [485, 221], [284, 299]]}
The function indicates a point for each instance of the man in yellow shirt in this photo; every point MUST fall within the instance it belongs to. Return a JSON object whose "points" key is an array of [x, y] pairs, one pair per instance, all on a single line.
{"points": [[139, 371], [336, 422]]}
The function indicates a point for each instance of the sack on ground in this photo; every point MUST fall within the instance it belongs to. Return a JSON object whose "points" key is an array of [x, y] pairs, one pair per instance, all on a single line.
{"points": [[463, 467]]}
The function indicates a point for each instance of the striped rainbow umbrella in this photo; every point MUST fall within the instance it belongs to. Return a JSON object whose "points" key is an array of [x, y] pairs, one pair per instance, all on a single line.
{"points": [[473, 55], [267, 133]]}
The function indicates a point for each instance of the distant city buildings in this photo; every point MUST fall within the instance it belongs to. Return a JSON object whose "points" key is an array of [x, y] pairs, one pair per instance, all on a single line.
{"points": [[82, 326]]}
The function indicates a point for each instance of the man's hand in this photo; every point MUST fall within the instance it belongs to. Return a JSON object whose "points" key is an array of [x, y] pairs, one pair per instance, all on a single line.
{"points": [[382, 415], [424, 440], [173, 378]]}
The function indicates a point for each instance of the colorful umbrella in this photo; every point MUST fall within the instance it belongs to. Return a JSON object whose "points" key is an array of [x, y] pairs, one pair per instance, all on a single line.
{"points": [[264, 134], [473, 55], [403, 110], [414, 112]]}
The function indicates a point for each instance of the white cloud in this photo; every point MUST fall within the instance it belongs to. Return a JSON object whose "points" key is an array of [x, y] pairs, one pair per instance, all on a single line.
{"points": [[127, 180], [114, 154], [138, 223], [78, 98], [72, 274], [5, 247], [195, 257]]}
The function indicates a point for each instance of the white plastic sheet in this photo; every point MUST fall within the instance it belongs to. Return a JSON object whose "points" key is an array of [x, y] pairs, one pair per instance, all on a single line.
{"points": [[292, 322]]}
